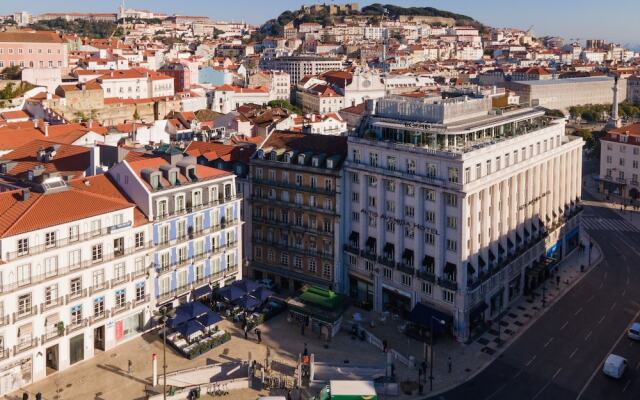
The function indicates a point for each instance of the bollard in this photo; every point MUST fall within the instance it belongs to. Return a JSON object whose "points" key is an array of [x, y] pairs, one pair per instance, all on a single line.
{"points": [[154, 367]]}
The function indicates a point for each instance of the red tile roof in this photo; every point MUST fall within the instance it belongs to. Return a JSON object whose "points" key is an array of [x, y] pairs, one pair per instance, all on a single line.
{"points": [[202, 172], [69, 160]]}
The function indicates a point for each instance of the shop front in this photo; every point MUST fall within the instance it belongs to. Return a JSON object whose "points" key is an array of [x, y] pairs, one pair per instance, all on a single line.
{"points": [[361, 293], [16, 375], [572, 240], [396, 302], [129, 326]]}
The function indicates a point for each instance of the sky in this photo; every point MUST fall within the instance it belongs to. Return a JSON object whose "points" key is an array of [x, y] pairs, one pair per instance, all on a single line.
{"points": [[566, 18]]}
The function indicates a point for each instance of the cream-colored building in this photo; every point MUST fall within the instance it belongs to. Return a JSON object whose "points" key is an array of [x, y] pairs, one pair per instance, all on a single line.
{"points": [[457, 208], [620, 162]]}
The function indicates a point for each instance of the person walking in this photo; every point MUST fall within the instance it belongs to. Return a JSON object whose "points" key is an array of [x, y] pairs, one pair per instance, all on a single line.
{"points": [[130, 368], [246, 332], [258, 333], [449, 363]]}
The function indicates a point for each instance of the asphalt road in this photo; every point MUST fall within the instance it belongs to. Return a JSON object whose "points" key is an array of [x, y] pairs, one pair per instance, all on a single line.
{"points": [[560, 355]]}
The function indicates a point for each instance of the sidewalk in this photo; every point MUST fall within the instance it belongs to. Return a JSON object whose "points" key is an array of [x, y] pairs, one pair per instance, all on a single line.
{"points": [[614, 203], [470, 359]]}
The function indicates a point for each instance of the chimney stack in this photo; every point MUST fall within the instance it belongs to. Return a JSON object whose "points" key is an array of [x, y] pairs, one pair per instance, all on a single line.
{"points": [[24, 196], [35, 123], [46, 129]]}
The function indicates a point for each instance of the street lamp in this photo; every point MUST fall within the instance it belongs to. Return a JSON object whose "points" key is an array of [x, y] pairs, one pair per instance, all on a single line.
{"points": [[441, 322], [590, 247], [162, 316]]}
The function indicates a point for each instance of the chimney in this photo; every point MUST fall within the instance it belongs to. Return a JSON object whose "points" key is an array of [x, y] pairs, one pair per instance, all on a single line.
{"points": [[24, 196], [90, 124], [94, 160], [46, 129], [35, 123]]}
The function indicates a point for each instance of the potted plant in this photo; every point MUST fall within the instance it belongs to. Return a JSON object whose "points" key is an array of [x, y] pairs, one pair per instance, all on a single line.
{"points": [[60, 326]]}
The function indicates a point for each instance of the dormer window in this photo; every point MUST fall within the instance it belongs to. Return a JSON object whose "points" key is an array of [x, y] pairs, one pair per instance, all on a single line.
{"points": [[287, 158], [315, 162], [274, 156], [261, 154], [301, 159], [330, 164], [155, 181], [173, 177]]}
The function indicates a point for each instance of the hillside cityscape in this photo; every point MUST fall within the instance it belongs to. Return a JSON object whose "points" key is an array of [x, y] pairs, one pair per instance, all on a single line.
{"points": [[342, 202]]}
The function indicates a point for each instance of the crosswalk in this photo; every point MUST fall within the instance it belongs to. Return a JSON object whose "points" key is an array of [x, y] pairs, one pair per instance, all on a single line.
{"points": [[608, 224]]}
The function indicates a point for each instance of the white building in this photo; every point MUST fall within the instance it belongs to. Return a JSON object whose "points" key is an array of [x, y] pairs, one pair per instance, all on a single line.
{"points": [[456, 208], [75, 280], [620, 162], [300, 66], [227, 98], [196, 231], [136, 83]]}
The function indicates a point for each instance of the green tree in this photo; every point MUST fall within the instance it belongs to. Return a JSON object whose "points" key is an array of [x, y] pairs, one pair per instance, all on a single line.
{"points": [[13, 73], [286, 105]]}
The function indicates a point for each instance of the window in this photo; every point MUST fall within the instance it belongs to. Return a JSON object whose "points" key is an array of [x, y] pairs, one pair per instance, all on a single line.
{"points": [[284, 259], [405, 279], [326, 271], [74, 233], [373, 222], [297, 262], [23, 247], [390, 225], [355, 178], [312, 265], [391, 163], [452, 222], [427, 288], [451, 199], [51, 295], [409, 211], [140, 291], [372, 201], [430, 216], [452, 245], [119, 271], [387, 273], [431, 170], [121, 298], [98, 279], [448, 296], [409, 231], [355, 197], [98, 306], [51, 266], [24, 304], [96, 227], [390, 186], [96, 252], [390, 206], [139, 240], [429, 238], [430, 195], [411, 167], [409, 190], [373, 159], [75, 286], [453, 174], [355, 216], [76, 315], [24, 274]]}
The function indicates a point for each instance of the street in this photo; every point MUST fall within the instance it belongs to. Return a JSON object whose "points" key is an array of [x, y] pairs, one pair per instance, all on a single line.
{"points": [[561, 355]]}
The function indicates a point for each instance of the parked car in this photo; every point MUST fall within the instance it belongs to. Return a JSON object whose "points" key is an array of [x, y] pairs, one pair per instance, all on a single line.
{"points": [[614, 366], [634, 331]]}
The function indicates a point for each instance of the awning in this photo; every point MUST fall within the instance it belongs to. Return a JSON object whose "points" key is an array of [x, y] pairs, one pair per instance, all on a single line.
{"points": [[470, 269], [354, 237], [509, 243], [425, 316], [193, 309], [481, 262], [52, 319], [389, 248], [500, 248], [428, 261], [201, 291], [477, 310], [541, 224], [25, 329], [371, 242], [518, 238], [190, 328], [210, 318], [450, 268], [526, 232], [491, 255]]}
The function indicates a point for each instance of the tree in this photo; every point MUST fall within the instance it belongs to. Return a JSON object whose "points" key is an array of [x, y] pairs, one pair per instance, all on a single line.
{"points": [[12, 73], [286, 105], [554, 113], [136, 115]]}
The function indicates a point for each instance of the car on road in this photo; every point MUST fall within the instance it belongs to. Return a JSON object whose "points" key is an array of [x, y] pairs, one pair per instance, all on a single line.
{"points": [[634, 331], [614, 366]]}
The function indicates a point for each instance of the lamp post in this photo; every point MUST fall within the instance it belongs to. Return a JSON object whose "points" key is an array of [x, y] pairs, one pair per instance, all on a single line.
{"points": [[590, 247], [162, 316], [441, 322]]}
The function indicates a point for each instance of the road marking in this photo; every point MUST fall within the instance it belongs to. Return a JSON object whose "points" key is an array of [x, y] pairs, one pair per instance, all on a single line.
{"points": [[518, 373], [626, 386], [590, 298], [563, 326], [588, 335], [530, 361], [541, 390], [492, 395], [602, 319], [577, 312], [613, 305], [548, 342], [597, 369], [623, 292], [638, 365], [556, 374], [574, 353]]}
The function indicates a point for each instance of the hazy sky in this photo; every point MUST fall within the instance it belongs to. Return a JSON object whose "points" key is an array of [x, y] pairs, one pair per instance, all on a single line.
{"points": [[615, 20]]}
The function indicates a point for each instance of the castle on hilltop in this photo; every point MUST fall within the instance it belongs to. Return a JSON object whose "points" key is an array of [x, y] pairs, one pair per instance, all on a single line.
{"points": [[332, 9]]}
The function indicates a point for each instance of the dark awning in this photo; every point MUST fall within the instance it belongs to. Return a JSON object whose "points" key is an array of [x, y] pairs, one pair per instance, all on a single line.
{"points": [[201, 291], [389, 247], [491, 255], [481, 262], [371, 242], [470, 269], [500, 248], [518, 238], [450, 268], [428, 261], [427, 316], [541, 224], [407, 254], [509, 242], [354, 236], [535, 226], [526, 232]]}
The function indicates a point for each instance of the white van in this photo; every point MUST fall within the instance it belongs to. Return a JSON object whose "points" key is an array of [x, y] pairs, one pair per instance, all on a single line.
{"points": [[614, 366]]}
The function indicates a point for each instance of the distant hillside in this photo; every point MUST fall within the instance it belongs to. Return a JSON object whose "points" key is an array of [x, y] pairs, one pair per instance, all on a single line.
{"points": [[375, 11]]}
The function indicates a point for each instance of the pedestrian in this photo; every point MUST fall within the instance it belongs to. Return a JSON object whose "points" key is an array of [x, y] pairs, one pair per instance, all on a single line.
{"points": [[305, 352], [302, 329], [130, 369], [449, 363], [258, 333], [558, 280], [246, 332]]}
